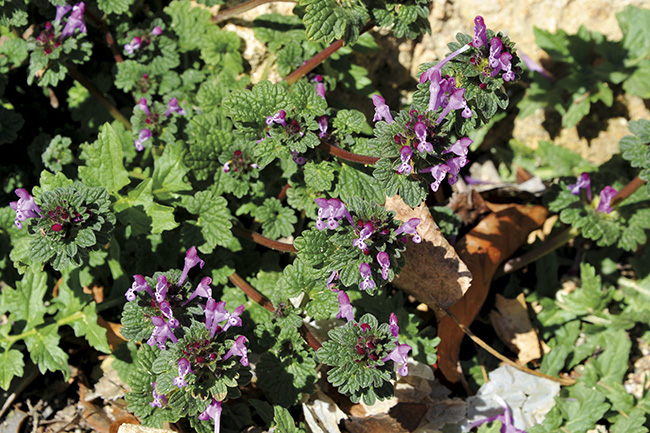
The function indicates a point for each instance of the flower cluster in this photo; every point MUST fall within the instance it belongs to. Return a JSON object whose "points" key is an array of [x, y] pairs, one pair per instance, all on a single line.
{"points": [[48, 39], [141, 41], [399, 355], [291, 126], [154, 121], [372, 235], [240, 163], [198, 351], [606, 194], [371, 345]]}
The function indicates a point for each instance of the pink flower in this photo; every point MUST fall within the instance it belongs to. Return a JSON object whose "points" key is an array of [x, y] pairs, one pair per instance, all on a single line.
{"points": [[399, 355], [382, 111], [139, 283], [25, 207], [345, 308], [191, 259], [606, 196], [239, 349], [213, 411]]}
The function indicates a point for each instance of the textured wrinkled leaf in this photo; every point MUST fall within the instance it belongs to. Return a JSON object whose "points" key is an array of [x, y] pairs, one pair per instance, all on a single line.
{"points": [[114, 6], [276, 219], [142, 214], [286, 377], [26, 301], [169, 173], [214, 219], [190, 22], [355, 183], [104, 162]]}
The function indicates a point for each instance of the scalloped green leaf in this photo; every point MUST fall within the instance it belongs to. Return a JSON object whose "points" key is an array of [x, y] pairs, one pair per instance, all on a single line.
{"points": [[104, 161]]}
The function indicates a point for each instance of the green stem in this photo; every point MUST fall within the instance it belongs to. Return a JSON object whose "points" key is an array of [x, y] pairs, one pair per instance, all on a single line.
{"points": [[11, 339], [241, 8], [312, 63], [74, 73]]}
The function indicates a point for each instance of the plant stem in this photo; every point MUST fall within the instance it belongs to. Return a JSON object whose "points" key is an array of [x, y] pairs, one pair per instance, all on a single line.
{"points": [[344, 154], [107, 33], [493, 352], [11, 339], [549, 246], [312, 63], [256, 296], [627, 190], [241, 8], [74, 73], [263, 240]]}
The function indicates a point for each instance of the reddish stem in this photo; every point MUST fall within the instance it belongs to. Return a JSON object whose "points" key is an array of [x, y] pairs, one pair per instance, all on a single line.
{"points": [[627, 190], [344, 154], [107, 33], [265, 302], [310, 64], [263, 240], [283, 193]]}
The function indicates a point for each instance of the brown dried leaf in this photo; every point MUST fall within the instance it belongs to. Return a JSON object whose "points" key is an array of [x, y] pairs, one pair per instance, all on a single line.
{"points": [[402, 418], [512, 324], [469, 206], [113, 334], [483, 249], [433, 272]]}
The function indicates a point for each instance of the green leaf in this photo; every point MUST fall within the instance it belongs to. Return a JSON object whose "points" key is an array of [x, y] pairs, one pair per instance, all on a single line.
{"points": [[10, 123], [44, 350], [114, 6], [633, 22], [214, 219], [104, 161], [583, 409], [356, 183], [11, 364], [142, 214], [190, 22], [319, 176], [26, 301], [284, 377], [327, 20], [283, 421], [634, 422], [169, 173], [350, 121], [277, 220]]}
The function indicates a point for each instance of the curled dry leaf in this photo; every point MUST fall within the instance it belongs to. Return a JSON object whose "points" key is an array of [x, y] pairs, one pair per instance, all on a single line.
{"points": [[433, 272], [483, 249], [512, 324]]}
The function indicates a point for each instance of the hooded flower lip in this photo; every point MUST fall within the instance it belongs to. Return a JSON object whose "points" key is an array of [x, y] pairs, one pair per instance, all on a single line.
{"points": [[184, 367], [366, 274], [606, 196], [405, 155], [75, 20], [191, 259], [144, 135], [213, 411], [239, 349], [162, 331], [480, 33], [345, 308], [25, 207], [161, 288], [139, 283], [159, 400], [410, 227], [203, 290], [384, 262], [333, 210], [365, 233], [382, 111], [173, 107], [279, 118], [399, 356], [583, 182]]}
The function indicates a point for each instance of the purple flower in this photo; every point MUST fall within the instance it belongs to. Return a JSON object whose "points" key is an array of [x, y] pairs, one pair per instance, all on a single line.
{"points": [[410, 227], [505, 419], [461, 147], [161, 288], [330, 281], [399, 355], [320, 89], [438, 172], [384, 262], [392, 323], [428, 74], [25, 207], [173, 107], [75, 21], [499, 61], [480, 33], [139, 283], [135, 44], [583, 182], [159, 400], [382, 111], [366, 274], [332, 210], [61, 11], [421, 134], [203, 289], [297, 158], [278, 118], [156, 31], [166, 310], [455, 164], [345, 308], [215, 312], [365, 233], [226, 167], [184, 367], [606, 196], [191, 259], [234, 319], [145, 134], [142, 104], [456, 102], [322, 125], [161, 332], [239, 349], [213, 411], [405, 154]]}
